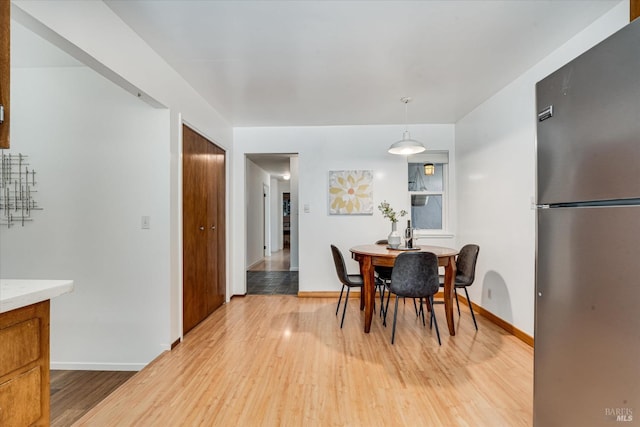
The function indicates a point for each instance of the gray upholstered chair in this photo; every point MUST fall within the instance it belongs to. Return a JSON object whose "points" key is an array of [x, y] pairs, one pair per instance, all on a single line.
{"points": [[383, 278], [465, 274], [415, 275], [348, 280]]}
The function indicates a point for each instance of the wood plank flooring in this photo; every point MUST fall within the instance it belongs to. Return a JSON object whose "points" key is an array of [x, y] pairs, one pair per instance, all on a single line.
{"points": [[278, 261], [282, 360], [73, 393]]}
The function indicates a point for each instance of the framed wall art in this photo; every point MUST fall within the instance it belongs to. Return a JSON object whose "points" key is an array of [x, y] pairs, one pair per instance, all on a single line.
{"points": [[351, 192]]}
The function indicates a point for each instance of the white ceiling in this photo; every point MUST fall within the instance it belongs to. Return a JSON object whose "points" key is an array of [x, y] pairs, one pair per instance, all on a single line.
{"points": [[278, 165], [295, 63], [291, 63]]}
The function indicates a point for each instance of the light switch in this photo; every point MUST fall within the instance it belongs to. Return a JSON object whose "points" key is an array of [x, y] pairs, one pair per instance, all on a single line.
{"points": [[146, 223], [306, 208]]}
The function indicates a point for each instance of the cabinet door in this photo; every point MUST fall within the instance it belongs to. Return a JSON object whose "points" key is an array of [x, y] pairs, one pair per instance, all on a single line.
{"points": [[24, 366], [5, 68]]}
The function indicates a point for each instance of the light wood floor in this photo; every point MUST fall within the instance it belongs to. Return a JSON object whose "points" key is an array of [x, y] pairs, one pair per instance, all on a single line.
{"points": [[284, 361], [278, 261]]}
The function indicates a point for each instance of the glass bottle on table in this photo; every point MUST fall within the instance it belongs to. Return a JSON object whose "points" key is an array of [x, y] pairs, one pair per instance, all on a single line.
{"points": [[408, 235]]}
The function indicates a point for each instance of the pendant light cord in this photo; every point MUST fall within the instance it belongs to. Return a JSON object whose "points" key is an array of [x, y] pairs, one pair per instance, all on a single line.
{"points": [[406, 101]]}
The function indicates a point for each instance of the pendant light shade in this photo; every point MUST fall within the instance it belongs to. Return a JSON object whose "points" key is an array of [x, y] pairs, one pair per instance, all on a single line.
{"points": [[429, 169], [406, 145]]}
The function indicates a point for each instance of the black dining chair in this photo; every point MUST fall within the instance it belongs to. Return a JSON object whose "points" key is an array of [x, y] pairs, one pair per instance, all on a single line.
{"points": [[465, 275], [348, 280], [383, 277], [415, 275]]}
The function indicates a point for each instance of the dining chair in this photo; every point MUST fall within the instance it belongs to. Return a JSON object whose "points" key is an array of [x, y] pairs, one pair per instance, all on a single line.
{"points": [[465, 275], [415, 275], [348, 280], [383, 277]]}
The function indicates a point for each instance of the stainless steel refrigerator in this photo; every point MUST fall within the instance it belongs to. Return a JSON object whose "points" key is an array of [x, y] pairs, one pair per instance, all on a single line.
{"points": [[587, 314]]}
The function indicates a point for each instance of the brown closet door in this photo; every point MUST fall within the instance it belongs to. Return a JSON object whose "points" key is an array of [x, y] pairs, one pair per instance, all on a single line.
{"points": [[194, 219], [204, 257], [5, 68], [217, 217]]}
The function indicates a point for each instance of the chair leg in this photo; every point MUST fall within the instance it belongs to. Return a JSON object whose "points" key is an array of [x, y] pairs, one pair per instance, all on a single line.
{"points": [[457, 303], [435, 321], [339, 300], [344, 311], [381, 299], [395, 315], [421, 311], [386, 309], [473, 316], [416, 307]]}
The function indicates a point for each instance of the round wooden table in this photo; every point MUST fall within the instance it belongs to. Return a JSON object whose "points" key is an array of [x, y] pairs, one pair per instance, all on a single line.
{"points": [[369, 256]]}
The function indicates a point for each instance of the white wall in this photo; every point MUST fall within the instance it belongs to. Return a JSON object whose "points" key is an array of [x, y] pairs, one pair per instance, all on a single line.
{"points": [[495, 156], [93, 34], [320, 150], [105, 39], [275, 208], [294, 214], [256, 179], [278, 188], [102, 158]]}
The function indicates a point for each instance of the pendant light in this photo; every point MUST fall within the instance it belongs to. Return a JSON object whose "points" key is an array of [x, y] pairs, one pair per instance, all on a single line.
{"points": [[406, 145], [429, 169]]}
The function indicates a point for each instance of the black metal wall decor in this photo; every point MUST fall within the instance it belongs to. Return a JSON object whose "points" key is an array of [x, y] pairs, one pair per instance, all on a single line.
{"points": [[17, 182]]}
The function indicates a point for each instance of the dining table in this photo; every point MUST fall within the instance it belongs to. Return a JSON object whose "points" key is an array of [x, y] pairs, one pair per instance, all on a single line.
{"points": [[372, 255]]}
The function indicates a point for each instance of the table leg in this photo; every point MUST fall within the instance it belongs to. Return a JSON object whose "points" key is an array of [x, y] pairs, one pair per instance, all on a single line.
{"points": [[368, 290], [449, 280]]}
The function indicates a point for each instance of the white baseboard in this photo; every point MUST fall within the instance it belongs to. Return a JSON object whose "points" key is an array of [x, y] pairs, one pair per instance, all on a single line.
{"points": [[294, 268], [83, 366]]}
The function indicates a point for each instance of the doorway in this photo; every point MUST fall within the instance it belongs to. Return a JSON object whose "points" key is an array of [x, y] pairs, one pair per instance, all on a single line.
{"points": [[286, 221], [270, 260]]}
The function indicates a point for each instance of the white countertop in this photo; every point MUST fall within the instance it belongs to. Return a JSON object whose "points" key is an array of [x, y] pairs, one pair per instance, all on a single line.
{"points": [[16, 293]]}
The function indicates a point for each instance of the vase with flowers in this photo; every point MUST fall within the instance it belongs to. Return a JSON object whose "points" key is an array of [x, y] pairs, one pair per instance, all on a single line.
{"points": [[394, 237]]}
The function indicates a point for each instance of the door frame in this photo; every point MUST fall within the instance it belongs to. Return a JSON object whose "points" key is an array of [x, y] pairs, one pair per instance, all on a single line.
{"points": [[266, 220]]}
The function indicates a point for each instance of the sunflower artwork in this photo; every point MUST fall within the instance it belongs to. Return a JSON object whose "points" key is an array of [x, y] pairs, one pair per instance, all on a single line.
{"points": [[350, 192]]}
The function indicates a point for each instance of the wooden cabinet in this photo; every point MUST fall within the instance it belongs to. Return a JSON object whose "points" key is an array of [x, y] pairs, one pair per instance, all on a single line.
{"points": [[203, 206], [5, 68], [24, 366]]}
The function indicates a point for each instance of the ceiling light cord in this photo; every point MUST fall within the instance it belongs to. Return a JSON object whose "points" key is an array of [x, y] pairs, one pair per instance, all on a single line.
{"points": [[406, 146], [406, 101]]}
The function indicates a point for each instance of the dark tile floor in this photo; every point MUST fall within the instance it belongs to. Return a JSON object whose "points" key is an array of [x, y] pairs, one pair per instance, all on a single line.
{"points": [[272, 282]]}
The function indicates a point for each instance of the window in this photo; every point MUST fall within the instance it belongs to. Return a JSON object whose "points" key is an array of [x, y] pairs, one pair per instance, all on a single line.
{"points": [[428, 193]]}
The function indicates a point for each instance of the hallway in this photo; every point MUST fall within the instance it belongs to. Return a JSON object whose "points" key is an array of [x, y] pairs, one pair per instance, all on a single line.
{"points": [[271, 276], [278, 261]]}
